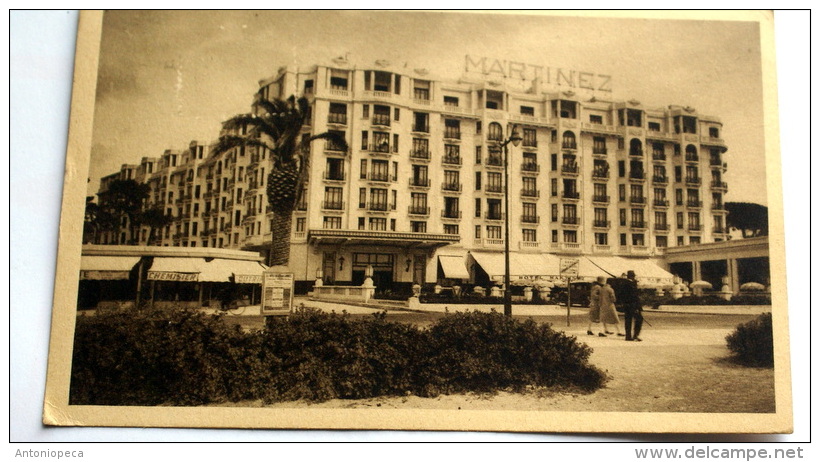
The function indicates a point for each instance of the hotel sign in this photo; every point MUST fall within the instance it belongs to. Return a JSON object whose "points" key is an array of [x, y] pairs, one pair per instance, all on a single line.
{"points": [[277, 293], [553, 76]]}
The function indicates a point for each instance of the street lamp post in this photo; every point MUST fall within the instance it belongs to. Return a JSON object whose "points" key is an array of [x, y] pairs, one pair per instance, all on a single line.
{"points": [[515, 139]]}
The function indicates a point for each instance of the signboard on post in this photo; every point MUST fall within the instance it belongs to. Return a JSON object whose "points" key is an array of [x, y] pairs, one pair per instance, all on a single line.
{"points": [[568, 268], [277, 293]]}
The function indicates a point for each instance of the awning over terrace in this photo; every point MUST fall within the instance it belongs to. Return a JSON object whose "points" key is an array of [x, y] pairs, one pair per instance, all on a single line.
{"points": [[105, 268]]}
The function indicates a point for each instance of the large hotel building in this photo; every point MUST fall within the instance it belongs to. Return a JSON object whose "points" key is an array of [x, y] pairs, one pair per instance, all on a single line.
{"points": [[419, 193]]}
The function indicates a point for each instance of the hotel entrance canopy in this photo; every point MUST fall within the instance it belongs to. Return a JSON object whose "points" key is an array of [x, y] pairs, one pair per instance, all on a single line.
{"points": [[338, 237]]}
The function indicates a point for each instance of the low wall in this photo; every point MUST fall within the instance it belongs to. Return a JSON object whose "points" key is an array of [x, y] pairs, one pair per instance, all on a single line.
{"points": [[714, 309], [342, 293]]}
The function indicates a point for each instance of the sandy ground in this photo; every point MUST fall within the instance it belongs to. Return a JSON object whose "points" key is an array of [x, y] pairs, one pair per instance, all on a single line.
{"points": [[680, 366]]}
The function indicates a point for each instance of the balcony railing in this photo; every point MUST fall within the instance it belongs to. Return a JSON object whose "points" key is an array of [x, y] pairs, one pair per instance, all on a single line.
{"points": [[450, 186], [494, 188], [601, 223], [379, 147], [335, 147], [694, 204], [715, 162], [420, 182], [658, 179], [494, 216], [601, 199], [719, 230], [333, 205], [571, 195], [637, 200], [569, 145], [452, 134], [377, 206], [718, 207], [420, 154], [636, 152], [719, 185], [658, 156], [529, 167], [601, 151], [600, 173], [530, 192], [334, 118], [571, 169], [451, 213], [421, 128], [334, 176], [381, 119], [381, 177], [495, 161], [418, 210], [451, 160], [530, 219], [660, 203], [571, 220], [695, 228], [692, 157], [637, 224], [661, 227], [695, 181], [633, 175]]}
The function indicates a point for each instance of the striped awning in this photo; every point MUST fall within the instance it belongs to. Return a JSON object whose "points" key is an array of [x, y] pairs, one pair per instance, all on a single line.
{"points": [[201, 270], [453, 267]]}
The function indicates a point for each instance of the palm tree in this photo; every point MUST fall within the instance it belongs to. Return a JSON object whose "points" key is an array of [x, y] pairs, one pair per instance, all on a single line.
{"points": [[276, 127]]}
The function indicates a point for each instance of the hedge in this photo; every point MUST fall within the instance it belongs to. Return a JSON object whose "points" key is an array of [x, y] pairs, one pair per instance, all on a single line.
{"points": [[187, 358], [752, 343]]}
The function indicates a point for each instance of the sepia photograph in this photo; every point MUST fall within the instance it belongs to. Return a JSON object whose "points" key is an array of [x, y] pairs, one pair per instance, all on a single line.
{"points": [[440, 220]]}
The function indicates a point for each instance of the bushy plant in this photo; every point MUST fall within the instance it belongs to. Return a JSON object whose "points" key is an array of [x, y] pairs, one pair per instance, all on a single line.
{"points": [[752, 343]]}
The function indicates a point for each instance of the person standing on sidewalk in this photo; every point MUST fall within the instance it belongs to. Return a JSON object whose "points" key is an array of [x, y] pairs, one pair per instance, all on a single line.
{"points": [[595, 309], [606, 306], [633, 315]]}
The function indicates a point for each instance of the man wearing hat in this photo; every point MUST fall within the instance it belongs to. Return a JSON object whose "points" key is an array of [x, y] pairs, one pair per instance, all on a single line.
{"points": [[633, 316]]}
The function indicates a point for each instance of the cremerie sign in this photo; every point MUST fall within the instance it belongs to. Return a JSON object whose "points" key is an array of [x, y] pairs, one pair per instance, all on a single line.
{"points": [[552, 76]]}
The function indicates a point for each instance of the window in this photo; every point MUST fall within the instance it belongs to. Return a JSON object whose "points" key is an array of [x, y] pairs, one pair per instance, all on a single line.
{"points": [[623, 239], [554, 187], [636, 193], [621, 192], [596, 119], [452, 129], [378, 199], [378, 224], [680, 240], [637, 218], [478, 231], [452, 154], [599, 145], [622, 217], [601, 239], [637, 240], [420, 176], [361, 223], [494, 209], [418, 226], [381, 115], [529, 188], [529, 138], [421, 89], [418, 203], [362, 198], [601, 219], [554, 235], [451, 180], [494, 183], [554, 162], [332, 222], [379, 171], [528, 111], [396, 113], [554, 213], [492, 104], [450, 229], [363, 170], [392, 224], [366, 111], [478, 181], [382, 81], [495, 132], [421, 122], [570, 236], [679, 219], [714, 132], [395, 142], [451, 208], [661, 241], [337, 113], [568, 140], [300, 225], [478, 208], [451, 101], [530, 214], [493, 232], [334, 170], [338, 79], [654, 127], [529, 235]]}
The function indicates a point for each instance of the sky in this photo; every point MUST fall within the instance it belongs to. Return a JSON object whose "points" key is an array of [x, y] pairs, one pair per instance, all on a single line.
{"points": [[167, 78]]}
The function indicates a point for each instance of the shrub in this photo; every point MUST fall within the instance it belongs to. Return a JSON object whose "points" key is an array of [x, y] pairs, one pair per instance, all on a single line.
{"points": [[488, 351], [752, 343]]}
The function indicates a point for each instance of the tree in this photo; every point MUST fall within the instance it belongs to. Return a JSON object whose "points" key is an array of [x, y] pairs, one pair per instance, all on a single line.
{"points": [[751, 219], [127, 198], [154, 219], [97, 220], [276, 128]]}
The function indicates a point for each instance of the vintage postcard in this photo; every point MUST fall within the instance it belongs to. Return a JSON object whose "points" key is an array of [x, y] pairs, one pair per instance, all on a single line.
{"points": [[478, 221]]}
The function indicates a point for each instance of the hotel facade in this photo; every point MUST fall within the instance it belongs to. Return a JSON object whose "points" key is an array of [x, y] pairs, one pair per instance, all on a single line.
{"points": [[418, 195]]}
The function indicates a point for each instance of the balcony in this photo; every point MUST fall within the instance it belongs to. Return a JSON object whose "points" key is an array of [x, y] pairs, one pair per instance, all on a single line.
{"points": [[530, 193], [637, 175], [334, 148], [661, 227], [569, 145], [598, 151], [601, 248], [528, 245], [569, 247], [637, 200], [600, 199], [420, 128], [601, 223], [495, 161], [660, 203], [694, 204], [659, 156], [496, 216], [658, 179], [419, 182], [378, 177], [452, 134], [334, 176], [602, 174], [715, 162], [692, 157], [333, 205], [571, 220], [531, 219], [451, 214], [377, 206], [695, 228], [420, 154], [494, 188], [719, 185], [637, 224], [718, 207], [569, 169], [719, 230], [693, 181], [337, 119], [418, 210], [451, 187], [530, 167], [636, 152], [381, 120], [451, 160], [379, 148], [571, 195]]}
